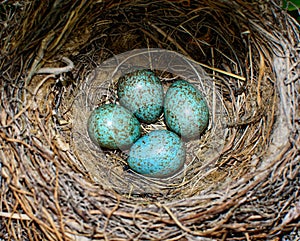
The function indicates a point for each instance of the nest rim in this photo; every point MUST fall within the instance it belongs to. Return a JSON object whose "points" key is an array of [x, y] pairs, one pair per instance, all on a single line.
{"points": [[41, 137]]}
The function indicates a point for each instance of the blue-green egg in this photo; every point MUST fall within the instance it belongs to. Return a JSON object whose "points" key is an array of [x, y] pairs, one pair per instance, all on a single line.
{"points": [[185, 110], [112, 126], [141, 92], [159, 154]]}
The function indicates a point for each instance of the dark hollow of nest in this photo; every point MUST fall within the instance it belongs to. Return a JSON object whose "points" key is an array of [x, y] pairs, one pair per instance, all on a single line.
{"points": [[250, 51]]}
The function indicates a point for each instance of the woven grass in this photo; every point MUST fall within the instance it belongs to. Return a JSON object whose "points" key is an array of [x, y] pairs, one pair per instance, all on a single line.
{"points": [[55, 185]]}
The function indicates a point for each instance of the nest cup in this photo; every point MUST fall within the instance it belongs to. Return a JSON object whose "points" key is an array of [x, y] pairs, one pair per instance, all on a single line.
{"points": [[241, 178], [109, 167]]}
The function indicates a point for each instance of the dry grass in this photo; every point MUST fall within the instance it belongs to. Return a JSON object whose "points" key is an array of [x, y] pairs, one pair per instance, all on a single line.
{"points": [[55, 185]]}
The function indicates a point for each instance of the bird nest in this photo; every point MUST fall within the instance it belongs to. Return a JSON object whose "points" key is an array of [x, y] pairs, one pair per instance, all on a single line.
{"points": [[59, 61]]}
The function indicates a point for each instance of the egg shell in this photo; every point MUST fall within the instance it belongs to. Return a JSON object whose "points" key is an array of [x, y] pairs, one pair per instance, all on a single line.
{"points": [[141, 92], [112, 126], [159, 154], [185, 110]]}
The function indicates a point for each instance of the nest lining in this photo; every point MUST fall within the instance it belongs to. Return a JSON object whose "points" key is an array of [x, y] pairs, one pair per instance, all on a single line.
{"points": [[46, 192], [107, 167]]}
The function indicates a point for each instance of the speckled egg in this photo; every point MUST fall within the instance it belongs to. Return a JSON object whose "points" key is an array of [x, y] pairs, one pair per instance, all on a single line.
{"points": [[112, 126], [160, 153], [185, 110], [142, 93]]}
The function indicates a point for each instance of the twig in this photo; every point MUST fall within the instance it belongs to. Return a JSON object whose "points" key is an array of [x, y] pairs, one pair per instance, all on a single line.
{"points": [[220, 71], [19, 216], [58, 70]]}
